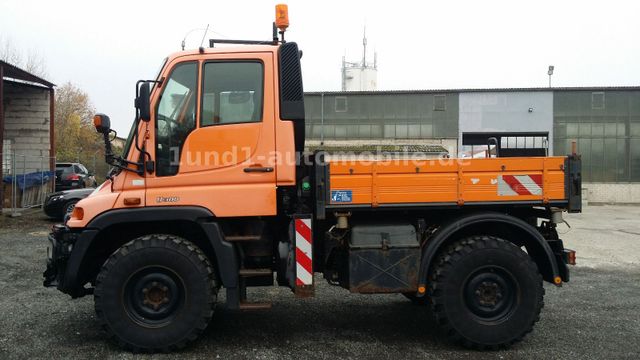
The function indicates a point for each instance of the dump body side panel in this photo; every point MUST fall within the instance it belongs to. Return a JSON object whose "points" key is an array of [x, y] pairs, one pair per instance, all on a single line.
{"points": [[436, 181]]}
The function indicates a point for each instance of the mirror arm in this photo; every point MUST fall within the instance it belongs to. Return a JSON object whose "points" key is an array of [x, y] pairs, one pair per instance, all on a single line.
{"points": [[116, 160]]}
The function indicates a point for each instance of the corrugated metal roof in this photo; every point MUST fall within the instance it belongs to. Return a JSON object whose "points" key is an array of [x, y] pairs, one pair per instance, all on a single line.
{"points": [[14, 72], [380, 149], [449, 91]]}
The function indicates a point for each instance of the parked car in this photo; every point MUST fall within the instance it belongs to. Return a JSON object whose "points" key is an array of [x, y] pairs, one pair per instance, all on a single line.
{"points": [[60, 204], [73, 176]]}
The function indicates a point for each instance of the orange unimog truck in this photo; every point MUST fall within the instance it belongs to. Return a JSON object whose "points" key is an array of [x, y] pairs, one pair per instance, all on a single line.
{"points": [[213, 190]]}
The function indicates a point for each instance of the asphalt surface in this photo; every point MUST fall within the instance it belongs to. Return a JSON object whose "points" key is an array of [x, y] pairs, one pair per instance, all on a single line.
{"points": [[596, 315]]}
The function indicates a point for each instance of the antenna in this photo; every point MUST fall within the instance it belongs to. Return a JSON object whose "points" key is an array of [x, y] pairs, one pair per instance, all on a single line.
{"points": [[203, 35], [375, 59], [344, 71], [184, 39], [364, 47]]}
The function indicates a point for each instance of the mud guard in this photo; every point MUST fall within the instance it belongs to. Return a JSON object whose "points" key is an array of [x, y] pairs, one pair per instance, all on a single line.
{"points": [[543, 254]]}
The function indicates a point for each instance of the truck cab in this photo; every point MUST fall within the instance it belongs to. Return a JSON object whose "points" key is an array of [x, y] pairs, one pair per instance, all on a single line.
{"points": [[215, 130], [215, 191]]}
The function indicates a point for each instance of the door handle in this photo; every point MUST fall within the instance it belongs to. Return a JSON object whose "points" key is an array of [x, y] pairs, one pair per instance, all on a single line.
{"points": [[255, 169]]}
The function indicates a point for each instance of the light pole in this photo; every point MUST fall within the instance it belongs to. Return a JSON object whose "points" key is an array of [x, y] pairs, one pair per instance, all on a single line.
{"points": [[550, 72]]}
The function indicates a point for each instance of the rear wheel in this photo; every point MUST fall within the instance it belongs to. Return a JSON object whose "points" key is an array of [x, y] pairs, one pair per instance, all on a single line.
{"points": [[486, 292], [156, 293]]}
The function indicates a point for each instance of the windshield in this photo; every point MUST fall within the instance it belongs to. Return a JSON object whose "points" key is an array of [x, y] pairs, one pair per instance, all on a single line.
{"points": [[63, 169], [164, 62], [127, 145]]}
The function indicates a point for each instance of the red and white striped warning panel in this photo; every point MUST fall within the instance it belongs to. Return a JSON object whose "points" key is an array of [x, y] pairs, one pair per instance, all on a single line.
{"points": [[304, 252], [514, 185]]}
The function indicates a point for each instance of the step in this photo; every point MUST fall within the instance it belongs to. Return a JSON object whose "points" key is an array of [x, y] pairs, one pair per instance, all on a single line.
{"points": [[243, 238], [254, 306], [255, 272]]}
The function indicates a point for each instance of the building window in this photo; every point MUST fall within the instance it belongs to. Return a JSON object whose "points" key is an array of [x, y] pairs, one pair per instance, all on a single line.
{"points": [[341, 104], [439, 103], [597, 100]]}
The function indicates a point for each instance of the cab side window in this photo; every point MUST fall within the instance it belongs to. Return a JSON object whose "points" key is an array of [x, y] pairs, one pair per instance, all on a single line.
{"points": [[175, 117], [232, 92]]}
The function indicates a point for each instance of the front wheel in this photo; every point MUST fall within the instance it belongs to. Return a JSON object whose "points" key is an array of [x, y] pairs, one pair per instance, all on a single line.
{"points": [[486, 292], [156, 293]]}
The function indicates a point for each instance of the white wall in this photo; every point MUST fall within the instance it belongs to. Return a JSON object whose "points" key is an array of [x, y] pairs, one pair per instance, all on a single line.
{"points": [[611, 193], [506, 111], [27, 124], [361, 79]]}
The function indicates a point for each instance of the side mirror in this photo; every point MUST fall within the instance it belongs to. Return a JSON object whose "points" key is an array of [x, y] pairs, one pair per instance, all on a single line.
{"points": [[142, 102], [102, 123]]}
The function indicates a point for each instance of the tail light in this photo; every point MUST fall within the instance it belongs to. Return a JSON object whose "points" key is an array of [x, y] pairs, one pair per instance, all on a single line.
{"points": [[75, 177], [570, 256]]}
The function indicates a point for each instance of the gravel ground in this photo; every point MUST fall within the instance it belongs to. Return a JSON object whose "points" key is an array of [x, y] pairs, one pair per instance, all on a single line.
{"points": [[595, 316]]}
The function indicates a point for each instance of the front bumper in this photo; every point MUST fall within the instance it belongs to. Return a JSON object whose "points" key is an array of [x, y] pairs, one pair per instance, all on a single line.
{"points": [[65, 254], [58, 253]]}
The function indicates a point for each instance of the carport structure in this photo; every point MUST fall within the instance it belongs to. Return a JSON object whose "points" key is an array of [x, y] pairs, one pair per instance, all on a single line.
{"points": [[26, 118]]}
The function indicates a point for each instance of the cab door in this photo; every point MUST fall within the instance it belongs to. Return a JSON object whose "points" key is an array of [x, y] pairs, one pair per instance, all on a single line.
{"points": [[215, 136]]}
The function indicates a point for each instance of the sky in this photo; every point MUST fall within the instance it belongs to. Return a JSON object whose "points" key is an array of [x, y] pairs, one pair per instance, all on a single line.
{"points": [[104, 47]]}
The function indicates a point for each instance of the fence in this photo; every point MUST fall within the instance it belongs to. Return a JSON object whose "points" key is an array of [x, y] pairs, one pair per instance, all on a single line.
{"points": [[26, 180]]}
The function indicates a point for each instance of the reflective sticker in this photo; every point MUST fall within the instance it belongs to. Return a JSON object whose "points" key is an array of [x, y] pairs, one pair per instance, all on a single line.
{"points": [[341, 196], [514, 185], [304, 252]]}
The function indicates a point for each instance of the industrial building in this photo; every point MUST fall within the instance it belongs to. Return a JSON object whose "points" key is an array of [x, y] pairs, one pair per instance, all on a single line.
{"points": [[604, 121]]}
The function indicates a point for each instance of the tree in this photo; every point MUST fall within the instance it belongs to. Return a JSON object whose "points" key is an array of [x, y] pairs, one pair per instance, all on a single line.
{"points": [[76, 138], [33, 62]]}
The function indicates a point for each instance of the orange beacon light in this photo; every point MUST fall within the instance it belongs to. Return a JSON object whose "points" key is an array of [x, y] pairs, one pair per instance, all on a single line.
{"points": [[282, 16]]}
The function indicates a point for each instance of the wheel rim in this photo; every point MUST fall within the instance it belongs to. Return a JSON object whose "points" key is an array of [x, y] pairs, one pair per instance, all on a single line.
{"points": [[491, 294], [69, 209], [153, 296]]}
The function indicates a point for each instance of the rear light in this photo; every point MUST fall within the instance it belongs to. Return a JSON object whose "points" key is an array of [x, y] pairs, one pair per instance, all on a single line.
{"points": [[78, 213], [570, 256], [75, 177]]}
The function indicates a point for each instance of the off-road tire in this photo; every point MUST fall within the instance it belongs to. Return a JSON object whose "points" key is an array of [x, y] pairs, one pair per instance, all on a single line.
{"points": [[463, 294], [190, 294]]}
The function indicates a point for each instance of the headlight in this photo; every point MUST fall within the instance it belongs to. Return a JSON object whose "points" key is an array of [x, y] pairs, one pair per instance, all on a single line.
{"points": [[57, 198]]}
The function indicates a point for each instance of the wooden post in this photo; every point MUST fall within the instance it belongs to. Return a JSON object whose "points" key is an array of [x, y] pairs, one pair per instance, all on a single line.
{"points": [[1, 135], [52, 137]]}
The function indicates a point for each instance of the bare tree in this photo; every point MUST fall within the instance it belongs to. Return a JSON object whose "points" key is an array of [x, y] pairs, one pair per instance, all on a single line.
{"points": [[33, 62], [9, 53]]}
